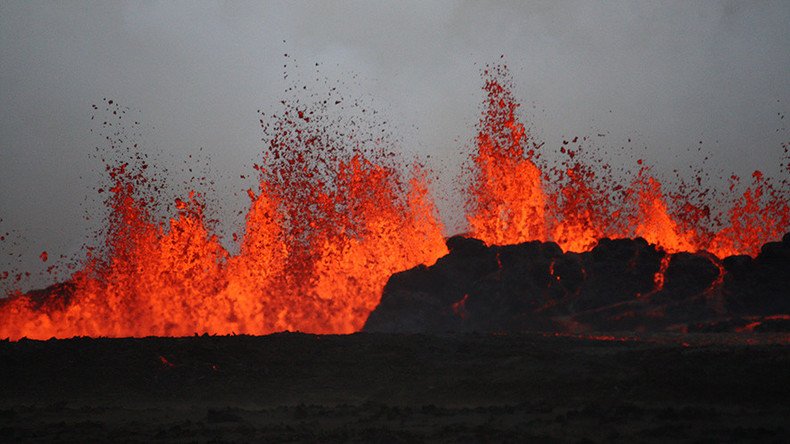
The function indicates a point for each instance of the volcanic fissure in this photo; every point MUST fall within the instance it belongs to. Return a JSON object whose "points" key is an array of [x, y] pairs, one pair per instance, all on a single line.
{"points": [[335, 219]]}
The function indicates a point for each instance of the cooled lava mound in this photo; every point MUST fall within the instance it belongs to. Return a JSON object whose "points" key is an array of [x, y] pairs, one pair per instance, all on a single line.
{"points": [[620, 285]]}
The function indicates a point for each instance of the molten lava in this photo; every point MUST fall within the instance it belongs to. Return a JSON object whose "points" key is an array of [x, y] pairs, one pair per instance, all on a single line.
{"points": [[508, 204], [333, 218], [511, 200], [320, 242]]}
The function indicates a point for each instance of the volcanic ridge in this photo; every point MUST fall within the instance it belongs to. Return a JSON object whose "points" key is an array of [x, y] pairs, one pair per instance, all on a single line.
{"points": [[620, 285]]}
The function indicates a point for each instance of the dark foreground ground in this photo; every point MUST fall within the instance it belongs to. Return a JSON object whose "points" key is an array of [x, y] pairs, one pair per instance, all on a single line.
{"points": [[397, 388]]}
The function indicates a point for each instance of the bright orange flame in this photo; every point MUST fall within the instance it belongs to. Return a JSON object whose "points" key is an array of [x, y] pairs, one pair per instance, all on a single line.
{"points": [[323, 273], [760, 215], [510, 200], [507, 203], [653, 221], [579, 212]]}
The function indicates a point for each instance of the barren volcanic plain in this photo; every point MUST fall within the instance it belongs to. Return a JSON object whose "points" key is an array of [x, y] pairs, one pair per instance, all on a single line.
{"points": [[369, 387]]}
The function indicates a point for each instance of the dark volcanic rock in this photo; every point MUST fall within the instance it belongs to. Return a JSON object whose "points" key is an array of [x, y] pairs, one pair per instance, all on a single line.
{"points": [[689, 274], [760, 286], [616, 271], [622, 284], [421, 299]]}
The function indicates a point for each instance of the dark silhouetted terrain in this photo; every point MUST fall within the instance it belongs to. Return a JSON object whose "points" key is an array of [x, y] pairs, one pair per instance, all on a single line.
{"points": [[398, 388], [620, 285]]}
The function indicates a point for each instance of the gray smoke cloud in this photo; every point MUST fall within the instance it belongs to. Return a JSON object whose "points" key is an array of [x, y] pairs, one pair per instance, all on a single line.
{"points": [[666, 75]]}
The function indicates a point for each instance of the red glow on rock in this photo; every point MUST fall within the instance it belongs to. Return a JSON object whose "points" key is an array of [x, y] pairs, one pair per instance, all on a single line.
{"points": [[597, 338], [459, 307], [165, 362], [660, 277]]}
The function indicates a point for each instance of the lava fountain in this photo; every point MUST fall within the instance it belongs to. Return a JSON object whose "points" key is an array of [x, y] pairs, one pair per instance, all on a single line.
{"points": [[334, 216], [330, 222], [513, 199]]}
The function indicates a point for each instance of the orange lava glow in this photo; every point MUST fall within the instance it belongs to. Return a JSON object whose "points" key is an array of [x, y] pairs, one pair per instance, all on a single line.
{"points": [[511, 199], [315, 264], [508, 204], [330, 222]]}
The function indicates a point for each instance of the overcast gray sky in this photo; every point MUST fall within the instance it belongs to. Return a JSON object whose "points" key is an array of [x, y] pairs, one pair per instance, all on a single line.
{"points": [[667, 74]]}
